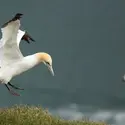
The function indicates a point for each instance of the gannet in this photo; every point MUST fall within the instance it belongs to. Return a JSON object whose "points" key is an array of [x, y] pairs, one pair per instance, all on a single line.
{"points": [[12, 61]]}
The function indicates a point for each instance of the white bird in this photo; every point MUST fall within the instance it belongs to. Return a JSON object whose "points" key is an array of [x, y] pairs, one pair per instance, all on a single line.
{"points": [[13, 63]]}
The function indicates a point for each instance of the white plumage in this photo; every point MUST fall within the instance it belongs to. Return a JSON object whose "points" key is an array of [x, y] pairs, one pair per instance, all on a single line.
{"points": [[12, 62]]}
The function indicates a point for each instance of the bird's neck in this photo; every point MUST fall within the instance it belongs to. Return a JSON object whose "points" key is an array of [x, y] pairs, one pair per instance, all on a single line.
{"points": [[30, 61], [25, 64]]}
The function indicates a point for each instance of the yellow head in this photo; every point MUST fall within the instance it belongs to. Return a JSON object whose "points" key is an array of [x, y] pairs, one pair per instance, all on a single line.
{"points": [[46, 59]]}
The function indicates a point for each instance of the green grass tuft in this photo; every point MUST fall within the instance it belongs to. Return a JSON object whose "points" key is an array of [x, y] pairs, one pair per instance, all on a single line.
{"points": [[31, 115]]}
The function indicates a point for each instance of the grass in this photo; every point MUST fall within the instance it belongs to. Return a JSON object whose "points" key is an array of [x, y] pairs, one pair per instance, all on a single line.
{"points": [[31, 115]]}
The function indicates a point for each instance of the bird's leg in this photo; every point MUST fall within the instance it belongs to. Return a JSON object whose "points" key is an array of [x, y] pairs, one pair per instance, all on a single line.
{"points": [[12, 92], [14, 86]]}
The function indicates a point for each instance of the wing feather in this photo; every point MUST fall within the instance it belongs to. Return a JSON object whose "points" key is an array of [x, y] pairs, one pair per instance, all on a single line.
{"points": [[9, 50], [11, 37]]}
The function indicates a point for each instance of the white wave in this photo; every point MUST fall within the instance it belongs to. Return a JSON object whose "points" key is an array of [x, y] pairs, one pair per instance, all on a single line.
{"points": [[72, 112], [120, 118], [101, 116]]}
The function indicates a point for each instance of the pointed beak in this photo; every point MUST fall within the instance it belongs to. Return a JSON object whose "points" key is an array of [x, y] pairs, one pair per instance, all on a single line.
{"points": [[51, 70]]}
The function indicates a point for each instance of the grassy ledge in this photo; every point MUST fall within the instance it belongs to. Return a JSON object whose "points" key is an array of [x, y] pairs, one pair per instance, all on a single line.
{"points": [[31, 115]]}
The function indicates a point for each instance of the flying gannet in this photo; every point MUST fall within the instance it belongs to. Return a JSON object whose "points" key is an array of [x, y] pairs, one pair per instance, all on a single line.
{"points": [[12, 62]]}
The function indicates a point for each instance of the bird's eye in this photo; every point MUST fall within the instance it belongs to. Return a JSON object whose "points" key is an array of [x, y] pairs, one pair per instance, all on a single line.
{"points": [[47, 63]]}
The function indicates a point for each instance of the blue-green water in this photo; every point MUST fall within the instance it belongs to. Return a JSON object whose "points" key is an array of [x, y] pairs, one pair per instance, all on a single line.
{"points": [[87, 42]]}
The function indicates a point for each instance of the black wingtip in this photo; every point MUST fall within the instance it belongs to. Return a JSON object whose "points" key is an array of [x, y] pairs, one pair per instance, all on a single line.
{"points": [[27, 38], [17, 16]]}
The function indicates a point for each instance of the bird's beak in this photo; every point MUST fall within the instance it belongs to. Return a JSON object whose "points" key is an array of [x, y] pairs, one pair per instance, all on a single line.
{"points": [[51, 69]]}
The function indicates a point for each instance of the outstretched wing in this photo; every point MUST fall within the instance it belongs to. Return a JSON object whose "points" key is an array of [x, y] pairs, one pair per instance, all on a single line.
{"points": [[23, 35], [9, 50], [10, 29], [11, 37]]}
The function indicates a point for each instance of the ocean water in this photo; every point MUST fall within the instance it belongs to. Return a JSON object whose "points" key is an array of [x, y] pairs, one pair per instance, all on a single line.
{"points": [[76, 112]]}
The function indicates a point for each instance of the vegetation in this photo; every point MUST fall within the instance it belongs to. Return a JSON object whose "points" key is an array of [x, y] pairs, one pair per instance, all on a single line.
{"points": [[30, 115]]}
